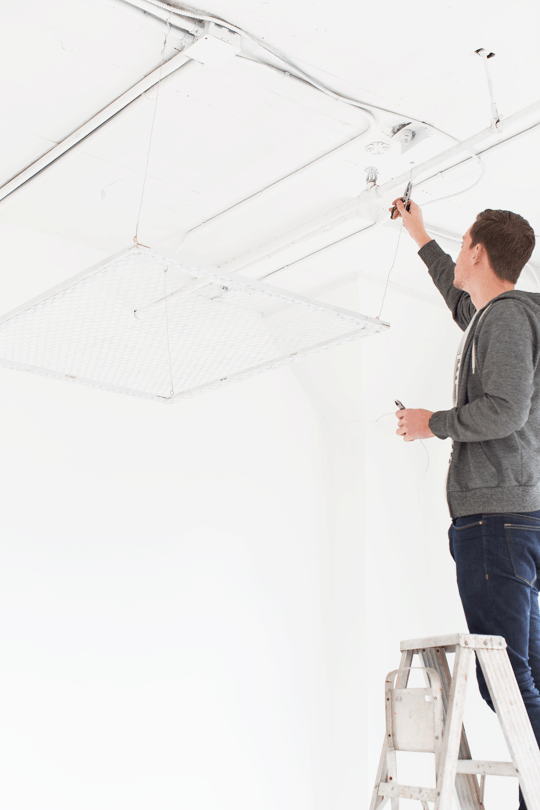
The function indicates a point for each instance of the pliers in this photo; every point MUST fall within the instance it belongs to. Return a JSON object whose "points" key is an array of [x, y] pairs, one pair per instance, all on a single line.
{"points": [[405, 199]]}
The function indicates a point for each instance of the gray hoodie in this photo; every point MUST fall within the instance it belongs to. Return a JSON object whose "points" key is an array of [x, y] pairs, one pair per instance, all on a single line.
{"points": [[495, 424]]}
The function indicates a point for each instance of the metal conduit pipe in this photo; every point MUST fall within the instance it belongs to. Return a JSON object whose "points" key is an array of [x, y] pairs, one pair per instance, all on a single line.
{"points": [[115, 112], [466, 145], [278, 185], [175, 19], [370, 203], [203, 16], [399, 288]]}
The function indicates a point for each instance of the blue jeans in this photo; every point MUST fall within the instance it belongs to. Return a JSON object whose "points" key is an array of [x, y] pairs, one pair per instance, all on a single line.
{"points": [[497, 560]]}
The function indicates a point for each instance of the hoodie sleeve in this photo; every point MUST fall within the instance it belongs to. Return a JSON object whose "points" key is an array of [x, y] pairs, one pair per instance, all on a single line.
{"points": [[506, 357], [441, 269]]}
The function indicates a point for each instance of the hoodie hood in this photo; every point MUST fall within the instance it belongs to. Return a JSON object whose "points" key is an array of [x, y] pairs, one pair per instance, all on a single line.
{"points": [[529, 299]]}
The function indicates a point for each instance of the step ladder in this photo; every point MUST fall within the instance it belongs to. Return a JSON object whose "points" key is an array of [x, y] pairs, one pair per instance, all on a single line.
{"points": [[431, 720]]}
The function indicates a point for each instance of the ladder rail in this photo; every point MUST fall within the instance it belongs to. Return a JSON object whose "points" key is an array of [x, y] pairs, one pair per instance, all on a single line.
{"points": [[468, 791], [446, 777], [514, 721], [378, 802], [455, 768]]}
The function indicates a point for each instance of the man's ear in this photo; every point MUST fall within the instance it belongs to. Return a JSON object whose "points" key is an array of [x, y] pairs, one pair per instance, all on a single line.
{"points": [[479, 252]]}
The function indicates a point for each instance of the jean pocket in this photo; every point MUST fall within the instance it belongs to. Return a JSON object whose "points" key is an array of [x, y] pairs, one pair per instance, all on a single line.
{"points": [[523, 546], [468, 526]]}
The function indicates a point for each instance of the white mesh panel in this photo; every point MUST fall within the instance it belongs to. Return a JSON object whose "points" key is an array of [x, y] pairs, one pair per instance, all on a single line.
{"points": [[108, 328]]}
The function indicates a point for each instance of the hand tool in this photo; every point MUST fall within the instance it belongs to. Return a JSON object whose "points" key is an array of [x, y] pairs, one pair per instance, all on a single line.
{"points": [[405, 199]]}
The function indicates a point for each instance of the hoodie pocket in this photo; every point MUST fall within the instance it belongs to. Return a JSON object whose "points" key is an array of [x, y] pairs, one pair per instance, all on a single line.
{"points": [[471, 468]]}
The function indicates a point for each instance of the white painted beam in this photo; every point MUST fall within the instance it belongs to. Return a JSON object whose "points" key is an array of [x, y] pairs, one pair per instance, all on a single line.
{"points": [[126, 103]]}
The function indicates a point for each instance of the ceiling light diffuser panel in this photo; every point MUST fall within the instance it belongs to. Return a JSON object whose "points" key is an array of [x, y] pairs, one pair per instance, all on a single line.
{"points": [[151, 325]]}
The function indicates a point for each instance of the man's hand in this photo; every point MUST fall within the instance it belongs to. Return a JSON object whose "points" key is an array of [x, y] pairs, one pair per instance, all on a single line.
{"points": [[414, 424], [413, 221]]}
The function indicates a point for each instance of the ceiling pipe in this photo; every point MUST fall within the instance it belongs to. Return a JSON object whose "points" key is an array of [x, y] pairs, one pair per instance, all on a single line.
{"points": [[127, 103], [279, 185], [176, 20], [463, 146], [372, 202]]}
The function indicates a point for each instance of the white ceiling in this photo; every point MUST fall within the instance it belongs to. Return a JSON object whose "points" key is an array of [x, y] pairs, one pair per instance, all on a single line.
{"points": [[223, 134]]}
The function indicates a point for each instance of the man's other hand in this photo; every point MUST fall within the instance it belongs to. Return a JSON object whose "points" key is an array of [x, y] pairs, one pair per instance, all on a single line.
{"points": [[413, 221], [414, 424]]}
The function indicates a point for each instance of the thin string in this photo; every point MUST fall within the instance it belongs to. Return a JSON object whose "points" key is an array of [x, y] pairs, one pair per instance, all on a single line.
{"points": [[167, 329], [395, 255], [420, 440], [393, 263], [136, 237], [379, 315]]}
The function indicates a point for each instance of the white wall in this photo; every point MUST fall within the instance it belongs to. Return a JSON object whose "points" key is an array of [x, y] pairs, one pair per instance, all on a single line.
{"points": [[163, 593]]}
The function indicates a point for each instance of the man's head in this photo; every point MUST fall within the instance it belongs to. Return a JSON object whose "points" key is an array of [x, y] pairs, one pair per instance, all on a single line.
{"points": [[495, 250]]}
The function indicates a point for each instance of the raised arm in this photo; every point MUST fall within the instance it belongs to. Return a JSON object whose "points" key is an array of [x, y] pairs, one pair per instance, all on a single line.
{"points": [[413, 221], [440, 264]]}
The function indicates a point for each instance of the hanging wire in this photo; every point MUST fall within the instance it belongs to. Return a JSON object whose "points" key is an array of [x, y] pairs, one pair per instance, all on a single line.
{"points": [[167, 328], [379, 315], [420, 440], [136, 237], [393, 263]]}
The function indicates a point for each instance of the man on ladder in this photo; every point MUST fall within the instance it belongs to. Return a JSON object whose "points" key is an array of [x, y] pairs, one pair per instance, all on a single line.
{"points": [[493, 484]]}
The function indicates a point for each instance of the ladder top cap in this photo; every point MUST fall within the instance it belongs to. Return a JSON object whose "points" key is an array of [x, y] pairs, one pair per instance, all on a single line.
{"points": [[454, 640]]}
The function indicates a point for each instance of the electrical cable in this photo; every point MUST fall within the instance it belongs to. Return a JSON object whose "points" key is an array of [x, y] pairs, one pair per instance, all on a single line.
{"points": [[195, 15], [456, 193]]}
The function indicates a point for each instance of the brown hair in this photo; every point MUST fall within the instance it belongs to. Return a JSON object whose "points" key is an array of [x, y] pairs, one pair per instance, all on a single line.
{"points": [[508, 240]]}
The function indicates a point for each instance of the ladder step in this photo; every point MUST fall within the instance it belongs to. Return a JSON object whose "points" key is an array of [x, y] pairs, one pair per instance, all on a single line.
{"points": [[407, 792], [450, 642], [486, 767]]}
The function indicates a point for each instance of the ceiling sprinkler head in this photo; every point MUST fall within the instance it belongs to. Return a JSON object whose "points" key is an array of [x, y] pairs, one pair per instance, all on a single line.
{"points": [[371, 174], [377, 147]]}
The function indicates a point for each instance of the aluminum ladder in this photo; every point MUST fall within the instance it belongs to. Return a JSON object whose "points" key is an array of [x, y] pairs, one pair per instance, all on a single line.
{"points": [[431, 719]]}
